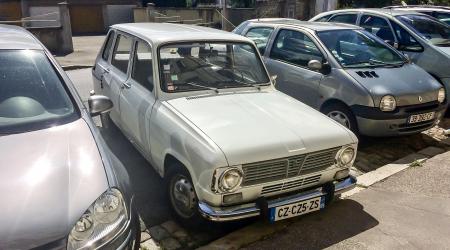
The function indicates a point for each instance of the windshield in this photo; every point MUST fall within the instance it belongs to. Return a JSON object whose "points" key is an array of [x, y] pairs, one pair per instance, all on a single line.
{"points": [[31, 93], [436, 32], [358, 48], [202, 65]]}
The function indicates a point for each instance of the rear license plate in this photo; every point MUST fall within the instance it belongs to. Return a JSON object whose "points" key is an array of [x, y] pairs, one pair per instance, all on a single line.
{"points": [[421, 117], [296, 209]]}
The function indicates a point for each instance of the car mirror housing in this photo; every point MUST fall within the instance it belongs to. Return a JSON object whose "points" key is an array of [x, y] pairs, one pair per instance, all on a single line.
{"points": [[99, 104], [314, 65]]}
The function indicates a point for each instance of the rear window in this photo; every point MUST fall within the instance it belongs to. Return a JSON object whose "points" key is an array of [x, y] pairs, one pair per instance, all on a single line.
{"points": [[32, 94]]}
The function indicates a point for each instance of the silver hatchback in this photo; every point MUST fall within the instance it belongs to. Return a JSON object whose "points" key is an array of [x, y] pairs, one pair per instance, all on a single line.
{"points": [[349, 74]]}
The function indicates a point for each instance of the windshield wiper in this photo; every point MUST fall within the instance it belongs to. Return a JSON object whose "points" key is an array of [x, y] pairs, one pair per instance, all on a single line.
{"points": [[374, 63], [257, 86], [202, 86]]}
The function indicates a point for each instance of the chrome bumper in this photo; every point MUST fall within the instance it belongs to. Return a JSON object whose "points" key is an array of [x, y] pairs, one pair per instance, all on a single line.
{"points": [[253, 209]]}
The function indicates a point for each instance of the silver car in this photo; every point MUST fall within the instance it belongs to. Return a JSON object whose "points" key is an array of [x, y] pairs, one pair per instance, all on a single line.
{"points": [[424, 39], [439, 12], [61, 187], [200, 107], [350, 75]]}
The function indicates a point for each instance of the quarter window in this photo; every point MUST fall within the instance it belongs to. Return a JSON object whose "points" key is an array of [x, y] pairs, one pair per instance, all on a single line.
{"points": [[108, 45], [378, 26], [345, 18], [142, 66], [260, 36], [296, 48], [121, 55]]}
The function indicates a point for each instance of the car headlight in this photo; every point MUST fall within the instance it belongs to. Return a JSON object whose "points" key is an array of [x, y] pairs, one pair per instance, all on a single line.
{"points": [[441, 95], [346, 156], [100, 223], [230, 179], [388, 103]]}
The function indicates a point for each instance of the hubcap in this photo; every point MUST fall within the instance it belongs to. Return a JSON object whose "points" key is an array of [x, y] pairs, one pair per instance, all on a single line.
{"points": [[182, 196], [340, 117]]}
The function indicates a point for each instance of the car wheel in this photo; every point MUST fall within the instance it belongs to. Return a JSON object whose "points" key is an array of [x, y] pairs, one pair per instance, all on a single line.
{"points": [[182, 196], [341, 114]]}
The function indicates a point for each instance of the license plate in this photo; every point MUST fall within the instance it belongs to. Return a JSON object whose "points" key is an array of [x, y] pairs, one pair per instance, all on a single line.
{"points": [[421, 117], [296, 209]]}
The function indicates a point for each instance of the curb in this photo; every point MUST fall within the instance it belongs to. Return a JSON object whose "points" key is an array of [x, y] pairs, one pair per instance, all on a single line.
{"points": [[260, 230]]}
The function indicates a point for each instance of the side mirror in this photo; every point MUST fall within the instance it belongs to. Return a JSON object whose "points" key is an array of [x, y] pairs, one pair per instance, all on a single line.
{"points": [[99, 104], [392, 43], [314, 65], [274, 79], [408, 59]]}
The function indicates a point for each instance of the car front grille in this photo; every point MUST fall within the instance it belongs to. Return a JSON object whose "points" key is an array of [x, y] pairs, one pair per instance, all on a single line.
{"points": [[274, 170], [290, 184]]}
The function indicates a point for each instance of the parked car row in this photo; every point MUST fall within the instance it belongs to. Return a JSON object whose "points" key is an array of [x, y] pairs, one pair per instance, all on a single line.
{"points": [[209, 114]]}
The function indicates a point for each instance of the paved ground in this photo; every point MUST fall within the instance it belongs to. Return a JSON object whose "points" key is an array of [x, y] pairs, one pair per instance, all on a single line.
{"points": [[85, 48], [410, 210], [154, 208]]}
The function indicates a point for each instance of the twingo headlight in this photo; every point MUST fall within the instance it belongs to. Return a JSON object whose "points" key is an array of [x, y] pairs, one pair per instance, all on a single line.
{"points": [[388, 103], [346, 156], [100, 223], [230, 180], [441, 95]]}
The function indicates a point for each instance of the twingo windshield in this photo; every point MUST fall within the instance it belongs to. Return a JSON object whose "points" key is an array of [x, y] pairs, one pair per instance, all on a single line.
{"points": [[359, 48], [32, 95], [210, 65], [438, 33]]}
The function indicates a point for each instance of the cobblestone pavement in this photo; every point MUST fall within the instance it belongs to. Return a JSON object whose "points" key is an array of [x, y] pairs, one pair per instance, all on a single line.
{"points": [[159, 229]]}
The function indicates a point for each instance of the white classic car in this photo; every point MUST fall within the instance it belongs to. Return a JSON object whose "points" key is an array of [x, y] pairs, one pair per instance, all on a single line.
{"points": [[199, 105]]}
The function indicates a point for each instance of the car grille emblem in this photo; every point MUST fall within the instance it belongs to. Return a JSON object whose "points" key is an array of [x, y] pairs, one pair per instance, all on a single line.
{"points": [[420, 99]]}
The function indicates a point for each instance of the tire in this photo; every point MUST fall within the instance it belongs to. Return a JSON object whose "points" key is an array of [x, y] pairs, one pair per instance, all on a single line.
{"points": [[338, 110], [182, 196]]}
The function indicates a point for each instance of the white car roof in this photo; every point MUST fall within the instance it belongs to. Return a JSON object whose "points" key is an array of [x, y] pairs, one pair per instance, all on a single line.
{"points": [[15, 37], [158, 33]]}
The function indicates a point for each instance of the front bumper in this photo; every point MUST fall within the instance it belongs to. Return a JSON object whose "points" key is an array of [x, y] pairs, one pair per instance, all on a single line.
{"points": [[257, 208], [374, 122]]}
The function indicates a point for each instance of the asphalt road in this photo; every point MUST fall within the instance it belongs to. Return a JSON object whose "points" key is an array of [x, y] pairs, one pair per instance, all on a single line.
{"points": [[410, 210], [344, 220]]}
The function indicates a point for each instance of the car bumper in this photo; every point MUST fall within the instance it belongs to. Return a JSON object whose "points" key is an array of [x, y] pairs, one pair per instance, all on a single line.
{"points": [[374, 122], [258, 208]]}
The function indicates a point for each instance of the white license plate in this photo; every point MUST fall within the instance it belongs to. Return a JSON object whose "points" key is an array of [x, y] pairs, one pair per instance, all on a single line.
{"points": [[421, 117], [296, 209]]}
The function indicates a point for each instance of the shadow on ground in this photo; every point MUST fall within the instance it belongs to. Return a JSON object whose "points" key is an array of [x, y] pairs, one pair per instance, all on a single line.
{"points": [[340, 221]]}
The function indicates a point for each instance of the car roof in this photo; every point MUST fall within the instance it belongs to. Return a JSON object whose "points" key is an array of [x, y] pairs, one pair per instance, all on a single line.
{"points": [[387, 12], [315, 26], [420, 7], [158, 33], [15, 37]]}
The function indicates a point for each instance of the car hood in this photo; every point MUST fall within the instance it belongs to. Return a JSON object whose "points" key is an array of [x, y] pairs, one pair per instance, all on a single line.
{"points": [[48, 179], [257, 126], [406, 83]]}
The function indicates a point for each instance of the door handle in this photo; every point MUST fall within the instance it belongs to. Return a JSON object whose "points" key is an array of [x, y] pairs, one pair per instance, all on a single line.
{"points": [[126, 85]]}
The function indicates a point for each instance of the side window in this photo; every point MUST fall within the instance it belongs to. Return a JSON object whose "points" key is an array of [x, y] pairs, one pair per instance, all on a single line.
{"points": [[108, 45], [121, 55], [377, 26], [142, 71], [324, 19], [296, 48], [344, 18], [405, 40], [260, 36]]}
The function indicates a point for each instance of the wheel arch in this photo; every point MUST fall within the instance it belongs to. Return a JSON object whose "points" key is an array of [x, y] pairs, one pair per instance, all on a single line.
{"points": [[333, 101]]}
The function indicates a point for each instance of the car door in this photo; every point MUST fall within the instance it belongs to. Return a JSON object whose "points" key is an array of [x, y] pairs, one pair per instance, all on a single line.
{"points": [[137, 96], [288, 58], [102, 66], [118, 74]]}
